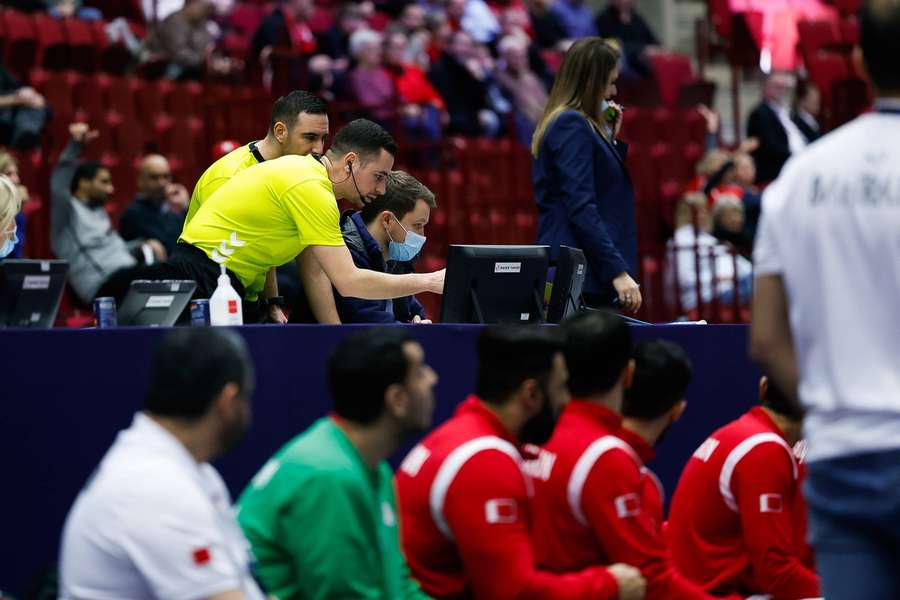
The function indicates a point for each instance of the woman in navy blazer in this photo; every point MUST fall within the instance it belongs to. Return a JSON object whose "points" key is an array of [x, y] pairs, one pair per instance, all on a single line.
{"points": [[583, 191]]}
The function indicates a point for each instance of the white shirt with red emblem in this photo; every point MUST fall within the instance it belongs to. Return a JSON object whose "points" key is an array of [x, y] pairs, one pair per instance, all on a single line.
{"points": [[153, 523]]}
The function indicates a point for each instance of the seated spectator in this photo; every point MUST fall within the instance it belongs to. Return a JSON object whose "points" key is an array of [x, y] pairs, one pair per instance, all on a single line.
{"points": [[731, 524], [462, 78], [522, 85], [735, 177], [549, 32], [369, 82], [413, 22], [286, 28], [336, 41], [422, 109], [23, 113], [155, 518], [159, 10], [386, 236], [807, 105], [729, 224], [9, 167], [475, 18], [590, 483], [321, 515], [159, 207], [576, 18], [698, 256], [463, 499], [10, 205], [622, 22], [80, 229], [771, 123], [185, 39]]}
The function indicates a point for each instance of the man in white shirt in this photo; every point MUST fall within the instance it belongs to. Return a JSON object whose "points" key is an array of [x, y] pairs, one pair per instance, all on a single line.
{"points": [[825, 322], [155, 519]]}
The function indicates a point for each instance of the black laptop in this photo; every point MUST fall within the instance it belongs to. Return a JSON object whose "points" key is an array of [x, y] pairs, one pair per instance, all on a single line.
{"points": [[30, 291]]}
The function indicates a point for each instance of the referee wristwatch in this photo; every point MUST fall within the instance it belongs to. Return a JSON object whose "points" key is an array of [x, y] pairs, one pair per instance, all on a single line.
{"points": [[275, 301]]}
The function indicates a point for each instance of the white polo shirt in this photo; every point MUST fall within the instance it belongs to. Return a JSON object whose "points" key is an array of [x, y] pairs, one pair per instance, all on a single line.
{"points": [[152, 523], [830, 227]]}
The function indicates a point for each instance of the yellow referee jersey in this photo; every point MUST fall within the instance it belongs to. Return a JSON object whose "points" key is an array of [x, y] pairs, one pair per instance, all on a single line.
{"points": [[265, 216], [219, 172]]}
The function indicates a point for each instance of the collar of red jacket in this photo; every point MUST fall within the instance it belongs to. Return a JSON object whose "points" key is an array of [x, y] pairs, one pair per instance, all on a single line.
{"points": [[475, 406], [588, 409], [759, 414], [638, 444]]}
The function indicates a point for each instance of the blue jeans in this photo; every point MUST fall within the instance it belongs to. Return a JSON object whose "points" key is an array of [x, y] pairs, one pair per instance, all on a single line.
{"points": [[854, 520]]}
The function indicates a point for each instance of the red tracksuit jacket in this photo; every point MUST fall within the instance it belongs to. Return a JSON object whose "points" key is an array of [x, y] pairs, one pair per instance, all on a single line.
{"points": [[596, 503], [732, 522], [464, 517]]}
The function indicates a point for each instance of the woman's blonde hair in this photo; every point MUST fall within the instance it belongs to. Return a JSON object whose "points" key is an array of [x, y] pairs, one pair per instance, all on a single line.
{"points": [[580, 84], [10, 200], [6, 159]]}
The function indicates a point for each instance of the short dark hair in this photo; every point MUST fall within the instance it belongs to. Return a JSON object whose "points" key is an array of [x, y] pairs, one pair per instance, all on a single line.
{"points": [[400, 197], [662, 372], [85, 170], [598, 347], [776, 400], [879, 38], [510, 355], [364, 137], [362, 367], [191, 366], [287, 108]]}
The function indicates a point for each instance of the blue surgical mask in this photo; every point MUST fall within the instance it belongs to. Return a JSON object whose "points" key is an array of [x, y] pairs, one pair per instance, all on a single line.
{"points": [[8, 246], [409, 248]]}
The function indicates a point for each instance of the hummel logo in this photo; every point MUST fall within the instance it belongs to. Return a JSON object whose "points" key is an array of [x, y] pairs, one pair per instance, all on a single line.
{"points": [[221, 254]]}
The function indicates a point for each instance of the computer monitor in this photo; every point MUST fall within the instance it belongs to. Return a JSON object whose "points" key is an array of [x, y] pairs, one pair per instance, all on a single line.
{"points": [[565, 299], [155, 303], [495, 284], [30, 291]]}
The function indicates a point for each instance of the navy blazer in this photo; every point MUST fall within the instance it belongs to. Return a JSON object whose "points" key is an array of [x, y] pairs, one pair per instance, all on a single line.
{"points": [[585, 199]]}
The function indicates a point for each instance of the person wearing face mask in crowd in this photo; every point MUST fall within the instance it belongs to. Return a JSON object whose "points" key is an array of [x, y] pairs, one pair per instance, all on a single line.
{"points": [[385, 236], [10, 204], [155, 519], [464, 498], [9, 167], [583, 192], [322, 513], [590, 483]]}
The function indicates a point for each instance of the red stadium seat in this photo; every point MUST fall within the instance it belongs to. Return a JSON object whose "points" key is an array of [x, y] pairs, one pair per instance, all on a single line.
{"points": [[21, 43], [84, 49], [848, 7], [825, 68], [89, 95], [120, 96], [816, 36], [849, 27], [53, 49], [671, 70]]}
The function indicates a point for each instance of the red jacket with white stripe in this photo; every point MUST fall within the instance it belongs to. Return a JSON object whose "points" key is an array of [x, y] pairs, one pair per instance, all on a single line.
{"points": [[464, 517], [596, 503], [731, 524]]}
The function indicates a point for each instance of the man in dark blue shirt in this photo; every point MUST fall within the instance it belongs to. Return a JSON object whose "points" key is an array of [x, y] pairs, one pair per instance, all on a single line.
{"points": [[158, 210], [386, 235]]}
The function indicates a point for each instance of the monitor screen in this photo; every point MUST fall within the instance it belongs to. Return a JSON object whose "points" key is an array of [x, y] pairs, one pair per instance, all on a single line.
{"points": [[565, 299], [155, 303], [30, 291], [495, 284]]}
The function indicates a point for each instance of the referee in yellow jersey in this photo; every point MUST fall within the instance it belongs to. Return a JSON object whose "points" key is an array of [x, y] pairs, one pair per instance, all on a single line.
{"points": [[266, 215], [298, 125]]}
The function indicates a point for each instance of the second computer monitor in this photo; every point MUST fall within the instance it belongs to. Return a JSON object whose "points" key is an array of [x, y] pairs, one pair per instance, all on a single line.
{"points": [[495, 284], [565, 299]]}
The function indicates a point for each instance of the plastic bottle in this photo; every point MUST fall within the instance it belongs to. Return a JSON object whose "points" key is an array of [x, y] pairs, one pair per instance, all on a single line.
{"points": [[225, 304]]}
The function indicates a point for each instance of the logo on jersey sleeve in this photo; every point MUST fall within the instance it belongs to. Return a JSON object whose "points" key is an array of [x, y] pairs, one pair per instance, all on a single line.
{"points": [[202, 556], [227, 248], [627, 505], [771, 503], [414, 460], [541, 466], [501, 511]]}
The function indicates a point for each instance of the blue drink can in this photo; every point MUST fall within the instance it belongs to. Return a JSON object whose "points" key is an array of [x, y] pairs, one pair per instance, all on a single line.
{"points": [[105, 312], [199, 313]]}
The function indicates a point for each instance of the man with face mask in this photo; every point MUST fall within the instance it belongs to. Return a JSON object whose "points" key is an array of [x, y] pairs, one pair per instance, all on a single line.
{"points": [[385, 236], [80, 228], [464, 497], [589, 482], [321, 514], [155, 519]]}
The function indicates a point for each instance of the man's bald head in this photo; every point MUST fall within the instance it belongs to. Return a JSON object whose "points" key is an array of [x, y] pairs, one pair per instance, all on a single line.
{"points": [[879, 23], [154, 175]]}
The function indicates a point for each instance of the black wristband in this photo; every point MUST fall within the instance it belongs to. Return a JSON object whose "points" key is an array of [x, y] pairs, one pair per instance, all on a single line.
{"points": [[275, 301]]}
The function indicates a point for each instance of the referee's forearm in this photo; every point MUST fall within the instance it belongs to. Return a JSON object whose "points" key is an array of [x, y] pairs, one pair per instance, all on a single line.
{"points": [[373, 285]]}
